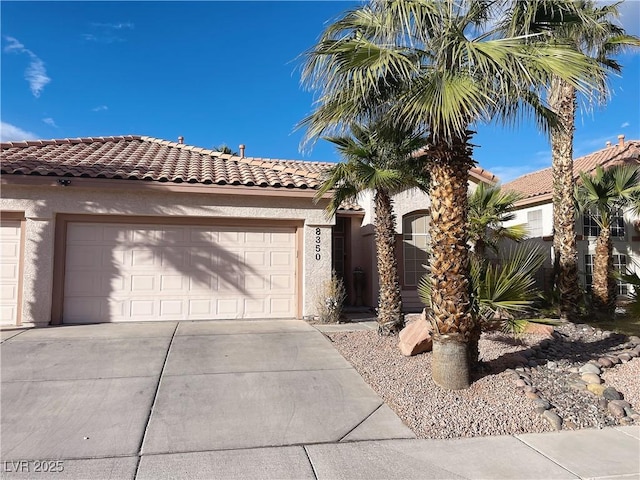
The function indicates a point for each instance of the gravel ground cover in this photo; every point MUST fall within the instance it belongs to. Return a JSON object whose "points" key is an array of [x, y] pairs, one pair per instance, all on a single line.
{"points": [[518, 376]]}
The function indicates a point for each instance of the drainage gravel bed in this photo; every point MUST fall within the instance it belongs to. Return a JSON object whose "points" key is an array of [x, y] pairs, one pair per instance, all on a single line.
{"points": [[580, 378]]}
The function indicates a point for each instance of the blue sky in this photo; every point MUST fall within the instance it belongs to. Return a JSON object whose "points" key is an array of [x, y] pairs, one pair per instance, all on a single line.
{"points": [[220, 72]]}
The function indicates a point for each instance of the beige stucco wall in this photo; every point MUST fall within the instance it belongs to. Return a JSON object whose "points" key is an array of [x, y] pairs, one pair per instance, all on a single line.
{"points": [[41, 204], [626, 246]]}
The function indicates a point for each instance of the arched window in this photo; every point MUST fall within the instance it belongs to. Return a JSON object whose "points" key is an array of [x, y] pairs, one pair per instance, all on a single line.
{"points": [[415, 242]]}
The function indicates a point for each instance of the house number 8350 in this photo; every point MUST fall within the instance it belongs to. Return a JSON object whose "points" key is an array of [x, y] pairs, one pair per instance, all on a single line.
{"points": [[318, 240]]}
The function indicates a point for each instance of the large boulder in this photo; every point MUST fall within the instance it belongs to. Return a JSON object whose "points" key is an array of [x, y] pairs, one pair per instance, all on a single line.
{"points": [[416, 338], [538, 329]]}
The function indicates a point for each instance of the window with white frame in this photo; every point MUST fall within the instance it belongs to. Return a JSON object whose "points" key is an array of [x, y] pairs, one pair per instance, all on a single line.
{"points": [[534, 223], [590, 227], [415, 243], [619, 265]]}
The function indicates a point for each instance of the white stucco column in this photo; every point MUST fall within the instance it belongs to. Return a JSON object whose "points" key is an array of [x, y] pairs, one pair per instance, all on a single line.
{"points": [[37, 283], [317, 264]]}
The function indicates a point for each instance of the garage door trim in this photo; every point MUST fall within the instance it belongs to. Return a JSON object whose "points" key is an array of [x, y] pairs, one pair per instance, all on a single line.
{"points": [[20, 217], [62, 221]]}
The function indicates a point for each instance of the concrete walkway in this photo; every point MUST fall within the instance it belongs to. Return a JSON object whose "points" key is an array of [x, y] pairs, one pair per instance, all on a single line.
{"points": [[241, 399]]}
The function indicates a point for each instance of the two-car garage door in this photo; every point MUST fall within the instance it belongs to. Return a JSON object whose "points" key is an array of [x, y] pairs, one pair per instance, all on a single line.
{"points": [[128, 272]]}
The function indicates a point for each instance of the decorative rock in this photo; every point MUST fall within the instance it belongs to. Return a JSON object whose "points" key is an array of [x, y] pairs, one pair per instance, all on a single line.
{"points": [[634, 339], [614, 359], [591, 378], [605, 362], [552, 365], [520, 383], [531, 395], [624, 357], [532, 363], [611, 393], [578, 385], [542, 403], [538, 329], [530, 388], [573, 370], [415, 338], [622, 403], [637, 349], [603, 403], [633, 353], [553, 418], [513, 374], [596, 388], [626, 421], [589, 368], [630, 412], [616, 410]]}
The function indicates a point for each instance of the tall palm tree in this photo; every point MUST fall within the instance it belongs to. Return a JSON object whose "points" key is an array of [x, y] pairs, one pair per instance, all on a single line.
{"points": [[379, 158], [604, 195], [434, 64], [489, 208], [589, 28]]}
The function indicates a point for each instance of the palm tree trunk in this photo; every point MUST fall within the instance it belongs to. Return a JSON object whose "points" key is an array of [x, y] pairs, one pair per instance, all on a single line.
{"points": [[562, 100], [455, 337], [603, 289], [390, 319]]}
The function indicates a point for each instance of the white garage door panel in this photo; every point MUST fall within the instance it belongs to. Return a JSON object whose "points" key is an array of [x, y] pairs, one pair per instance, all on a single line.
{"points": [[134, 273], [9, 271]]}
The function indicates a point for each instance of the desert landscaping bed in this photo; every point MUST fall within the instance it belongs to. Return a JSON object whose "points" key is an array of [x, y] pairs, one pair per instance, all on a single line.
{"points": [[531, 383]]}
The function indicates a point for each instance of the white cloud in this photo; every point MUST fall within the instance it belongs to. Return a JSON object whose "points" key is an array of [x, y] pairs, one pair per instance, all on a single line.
{"points": [[50, 121], [11, 133], [100, 108], [106, 32], [625, 125], [35, 74], [114, 26]]}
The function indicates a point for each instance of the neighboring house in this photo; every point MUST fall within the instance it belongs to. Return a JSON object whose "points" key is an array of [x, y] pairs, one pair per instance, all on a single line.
{"points": [[536, 211], [133, 228]]}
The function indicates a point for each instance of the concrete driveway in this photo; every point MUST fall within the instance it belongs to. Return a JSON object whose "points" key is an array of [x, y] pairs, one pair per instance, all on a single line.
{"points": [[146, 400]]}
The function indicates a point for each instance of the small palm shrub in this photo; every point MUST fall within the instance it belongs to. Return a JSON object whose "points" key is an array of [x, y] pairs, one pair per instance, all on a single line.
{"points": [[330, 300], [501, 293]]}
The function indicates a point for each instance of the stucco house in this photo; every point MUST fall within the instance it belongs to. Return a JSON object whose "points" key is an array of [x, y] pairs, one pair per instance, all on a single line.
{"points": [[536, 211], [134, 228]]}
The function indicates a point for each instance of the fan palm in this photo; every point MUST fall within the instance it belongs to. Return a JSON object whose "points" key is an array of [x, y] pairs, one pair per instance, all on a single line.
{"points": [[589, 28], [604, 195], [433, 64], [500, 290], [379, 158], [489, 208]]}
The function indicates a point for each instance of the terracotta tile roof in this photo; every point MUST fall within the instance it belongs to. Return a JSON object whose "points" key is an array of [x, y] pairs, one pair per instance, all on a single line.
{"points": [[134, 157], [540, 183]]}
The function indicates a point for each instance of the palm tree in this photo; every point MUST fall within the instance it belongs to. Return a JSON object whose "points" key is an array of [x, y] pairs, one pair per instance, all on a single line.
{"points": [[605, 195], [500, 290], [590, 29], [379, 159], [489, 208], [432, 64], [224, 148]]}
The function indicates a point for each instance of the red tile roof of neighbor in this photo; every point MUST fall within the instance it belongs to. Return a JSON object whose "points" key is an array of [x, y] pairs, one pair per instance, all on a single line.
{"points": [[538, 185], [134, 157]]}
